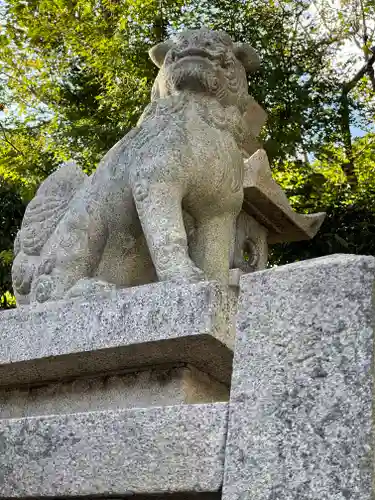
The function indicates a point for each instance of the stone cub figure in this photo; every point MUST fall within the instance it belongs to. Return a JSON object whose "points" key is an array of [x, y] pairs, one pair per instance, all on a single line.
{"points": [[163, 202]]}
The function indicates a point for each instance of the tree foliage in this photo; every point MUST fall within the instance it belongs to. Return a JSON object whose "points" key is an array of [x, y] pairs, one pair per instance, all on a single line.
{"points": [[75, 76], [11, 212]]}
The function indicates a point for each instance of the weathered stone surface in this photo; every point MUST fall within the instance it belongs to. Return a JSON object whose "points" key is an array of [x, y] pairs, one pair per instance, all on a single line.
{"points": [[160, 386], [180, 496], [267, 203], [153, 324], [302, 390], [154, 450], [124, 225]]}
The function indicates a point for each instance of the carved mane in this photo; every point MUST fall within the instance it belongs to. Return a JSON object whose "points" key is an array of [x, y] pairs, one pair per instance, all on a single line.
{"points": [[165, 110]]}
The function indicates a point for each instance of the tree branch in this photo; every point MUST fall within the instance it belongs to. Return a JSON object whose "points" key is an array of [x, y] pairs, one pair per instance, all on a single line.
{"points": [[365, 33], [361, 73], [8, 141], [348, 166]]}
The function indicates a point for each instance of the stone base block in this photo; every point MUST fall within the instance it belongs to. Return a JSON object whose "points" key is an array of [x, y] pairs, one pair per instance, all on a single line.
{"points": [[126, 329], [301, 424], [160, 386], [174, 449]]}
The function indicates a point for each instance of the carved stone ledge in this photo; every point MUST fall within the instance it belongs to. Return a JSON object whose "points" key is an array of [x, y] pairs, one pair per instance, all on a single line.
{"points": [[267, 203]]}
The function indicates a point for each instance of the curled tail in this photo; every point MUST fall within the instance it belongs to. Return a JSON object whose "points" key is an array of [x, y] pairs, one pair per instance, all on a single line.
{"points": [[41, 218]]}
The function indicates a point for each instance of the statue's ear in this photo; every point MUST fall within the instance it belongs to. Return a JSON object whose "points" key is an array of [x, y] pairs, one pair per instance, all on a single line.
{"points": [[247, 55], [158, 52]]}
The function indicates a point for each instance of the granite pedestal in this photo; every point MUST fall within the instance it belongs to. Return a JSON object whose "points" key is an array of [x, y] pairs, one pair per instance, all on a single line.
{"points": [[301, 424], [114, 390], [127, 394]]}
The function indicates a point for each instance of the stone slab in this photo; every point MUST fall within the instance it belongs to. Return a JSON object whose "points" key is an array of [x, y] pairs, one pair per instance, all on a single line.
{"points": [[300, 422], [159, 386], [268, 204], [140, 326], [144, 451]]}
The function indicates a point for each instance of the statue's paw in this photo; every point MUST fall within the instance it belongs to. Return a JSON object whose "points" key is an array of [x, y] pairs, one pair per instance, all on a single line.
{"points": [[89, 286], [48, 287]]}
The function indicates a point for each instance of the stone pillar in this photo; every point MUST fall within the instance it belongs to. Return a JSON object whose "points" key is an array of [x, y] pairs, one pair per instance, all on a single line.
{"points": [[300, 423]]}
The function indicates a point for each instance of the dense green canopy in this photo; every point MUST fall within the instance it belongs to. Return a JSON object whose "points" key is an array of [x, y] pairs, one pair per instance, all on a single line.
{"points": [[75, 76]]}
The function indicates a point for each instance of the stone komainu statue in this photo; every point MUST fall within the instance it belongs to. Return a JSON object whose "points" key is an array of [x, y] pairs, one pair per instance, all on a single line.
{"points": [[163, 203], [181, 167]]}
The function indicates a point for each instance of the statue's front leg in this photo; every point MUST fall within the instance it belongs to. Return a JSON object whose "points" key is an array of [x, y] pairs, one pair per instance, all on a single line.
{"points": [[159, 207], [212, 244]]}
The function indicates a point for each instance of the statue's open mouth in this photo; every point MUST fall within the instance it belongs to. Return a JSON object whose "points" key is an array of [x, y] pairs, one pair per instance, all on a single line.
{"points": [[195, 53]]}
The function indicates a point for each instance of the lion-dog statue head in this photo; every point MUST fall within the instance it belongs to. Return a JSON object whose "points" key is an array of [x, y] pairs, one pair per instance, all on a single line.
{"points": [[207, 62]]}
